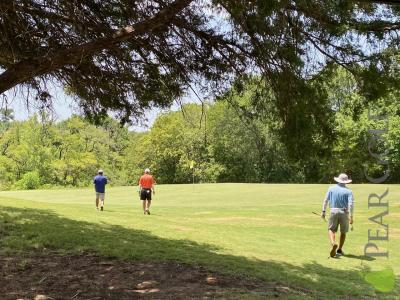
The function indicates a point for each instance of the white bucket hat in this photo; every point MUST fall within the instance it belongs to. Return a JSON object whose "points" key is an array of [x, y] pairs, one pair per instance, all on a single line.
{"points": [[342, 178], [147, 170], [100, 171]]}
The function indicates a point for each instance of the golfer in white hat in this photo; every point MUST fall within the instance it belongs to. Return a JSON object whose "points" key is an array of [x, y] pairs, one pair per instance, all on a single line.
{"points": [[341, 202]]}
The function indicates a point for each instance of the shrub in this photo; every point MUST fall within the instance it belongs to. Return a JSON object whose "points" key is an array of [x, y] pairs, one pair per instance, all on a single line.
{"points": [[29, 181]]}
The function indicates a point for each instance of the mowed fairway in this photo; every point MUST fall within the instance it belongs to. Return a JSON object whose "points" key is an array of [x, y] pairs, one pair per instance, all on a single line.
{"points": [[264, 231]]}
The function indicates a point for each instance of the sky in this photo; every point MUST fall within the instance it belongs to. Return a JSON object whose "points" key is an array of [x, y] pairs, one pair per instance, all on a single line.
{"points": [[64, 106]]}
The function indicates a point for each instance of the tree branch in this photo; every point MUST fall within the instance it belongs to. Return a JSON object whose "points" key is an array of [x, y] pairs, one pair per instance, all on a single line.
{"points": [[27, 69]]}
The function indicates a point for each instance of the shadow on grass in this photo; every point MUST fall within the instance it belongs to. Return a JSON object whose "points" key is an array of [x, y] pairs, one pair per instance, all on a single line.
{"points": [[360, 257], [29, 229]]}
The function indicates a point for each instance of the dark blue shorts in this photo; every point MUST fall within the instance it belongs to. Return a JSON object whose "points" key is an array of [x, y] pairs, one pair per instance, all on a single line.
{"points": [[145, 194]]}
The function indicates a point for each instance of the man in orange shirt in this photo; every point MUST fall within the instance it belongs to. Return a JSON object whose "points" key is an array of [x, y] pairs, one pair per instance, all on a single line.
{"points": [[146, 186]]}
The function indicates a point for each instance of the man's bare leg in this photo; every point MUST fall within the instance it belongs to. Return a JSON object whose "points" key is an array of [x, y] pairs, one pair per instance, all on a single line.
{"points": [[148, 202], [97, 202], [144, 205], [342, 239], [332, 238]]}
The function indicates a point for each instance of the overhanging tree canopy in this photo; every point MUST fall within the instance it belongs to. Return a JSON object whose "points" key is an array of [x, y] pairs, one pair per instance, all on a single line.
{"points": [[127, 55]]}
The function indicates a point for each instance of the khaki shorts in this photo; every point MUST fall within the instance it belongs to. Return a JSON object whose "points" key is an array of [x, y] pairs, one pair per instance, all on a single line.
{"points": [[339, 218], [100, 196]]}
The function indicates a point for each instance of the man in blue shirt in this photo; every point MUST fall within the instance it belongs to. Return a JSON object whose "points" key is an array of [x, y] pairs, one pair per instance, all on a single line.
{"points": [[341, 203], [100, 182]]}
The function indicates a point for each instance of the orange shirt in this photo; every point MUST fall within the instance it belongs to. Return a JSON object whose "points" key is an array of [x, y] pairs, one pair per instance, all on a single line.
{"points": [[146, 181]]}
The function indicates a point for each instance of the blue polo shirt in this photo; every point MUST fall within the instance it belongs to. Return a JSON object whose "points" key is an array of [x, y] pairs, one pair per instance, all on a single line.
{"points": [[339, 196], [100, 182]]}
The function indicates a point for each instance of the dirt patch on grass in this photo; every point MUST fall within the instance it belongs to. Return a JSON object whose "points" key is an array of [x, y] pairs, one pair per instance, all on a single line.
{"points": [[46, 276], [180, 228], [234, 219], [395, 233]]}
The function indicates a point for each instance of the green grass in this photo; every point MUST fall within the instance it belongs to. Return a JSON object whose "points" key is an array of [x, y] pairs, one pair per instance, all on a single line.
{"points": [[257, 230]]}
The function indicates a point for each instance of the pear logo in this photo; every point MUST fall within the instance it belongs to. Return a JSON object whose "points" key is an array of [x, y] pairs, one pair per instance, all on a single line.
{"points": [[383, 280]]}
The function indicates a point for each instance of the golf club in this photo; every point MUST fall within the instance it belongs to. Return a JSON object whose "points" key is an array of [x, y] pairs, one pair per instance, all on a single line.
{"points": [[313, 212], [351, 225]]}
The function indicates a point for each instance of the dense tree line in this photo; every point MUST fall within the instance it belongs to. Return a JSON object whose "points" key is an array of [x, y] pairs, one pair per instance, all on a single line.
{"points": [[39, 152], [233, 139]]}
